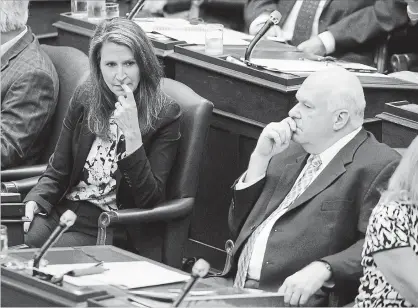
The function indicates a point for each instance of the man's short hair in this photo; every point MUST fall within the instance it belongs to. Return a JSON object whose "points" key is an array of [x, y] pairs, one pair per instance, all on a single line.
{"points": [[13, 14]]}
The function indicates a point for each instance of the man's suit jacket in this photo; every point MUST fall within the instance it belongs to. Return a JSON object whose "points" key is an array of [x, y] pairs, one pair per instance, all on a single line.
{"points": [[141, 176], [357, 25], [29, 92], [328, 221]]}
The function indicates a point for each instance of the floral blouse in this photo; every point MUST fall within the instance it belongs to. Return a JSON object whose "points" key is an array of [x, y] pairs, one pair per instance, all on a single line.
{"points": [[391, 225], [98, 181]]}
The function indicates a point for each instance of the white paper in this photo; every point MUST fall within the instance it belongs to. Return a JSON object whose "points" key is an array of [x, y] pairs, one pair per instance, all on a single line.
{"points": [[183, 30], [307, 66], [135, 274]]}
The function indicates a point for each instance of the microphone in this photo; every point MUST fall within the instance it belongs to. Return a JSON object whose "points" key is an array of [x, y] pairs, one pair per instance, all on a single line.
{"points": [[199, 270], [66, 220], [138, 6], [274, 19]]}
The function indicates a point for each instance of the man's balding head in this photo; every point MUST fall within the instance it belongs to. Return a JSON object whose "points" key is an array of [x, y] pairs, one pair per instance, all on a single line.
{"points": [[13, 15], [330, 105]]}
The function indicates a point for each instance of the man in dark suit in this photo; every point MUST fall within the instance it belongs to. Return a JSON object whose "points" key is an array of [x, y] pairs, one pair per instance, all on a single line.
{"points": [[300, 211], [346, 29], [29, 88]]}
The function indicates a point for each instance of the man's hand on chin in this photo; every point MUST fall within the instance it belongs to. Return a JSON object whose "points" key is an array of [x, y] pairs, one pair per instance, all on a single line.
{"points": [[314, 45], [298, 288]]}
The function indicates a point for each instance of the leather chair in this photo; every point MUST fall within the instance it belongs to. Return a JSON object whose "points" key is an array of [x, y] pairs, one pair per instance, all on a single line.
{"points": [[182, 183], [71, 65]]}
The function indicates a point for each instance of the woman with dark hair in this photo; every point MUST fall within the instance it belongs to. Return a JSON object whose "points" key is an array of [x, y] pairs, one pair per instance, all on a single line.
{"points": [[390, 252], [118, 143]]}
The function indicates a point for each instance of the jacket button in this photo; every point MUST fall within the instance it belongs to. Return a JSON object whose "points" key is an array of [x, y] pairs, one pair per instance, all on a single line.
{"points": [[267, 262]]}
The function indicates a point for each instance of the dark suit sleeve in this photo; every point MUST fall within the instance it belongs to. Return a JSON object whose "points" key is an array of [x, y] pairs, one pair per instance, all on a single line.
{"points": [[242, 203], [55, 180], [26, 109], [147, 172], [346, 265], [255, 8], [368, 23]]}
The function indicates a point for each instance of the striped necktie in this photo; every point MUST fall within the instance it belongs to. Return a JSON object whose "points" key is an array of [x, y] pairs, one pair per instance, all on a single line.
{"points": [[313, 164], [304, 21]]}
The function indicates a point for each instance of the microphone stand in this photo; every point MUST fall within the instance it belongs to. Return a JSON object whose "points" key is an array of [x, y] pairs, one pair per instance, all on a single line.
{"points": [[274, 19], [138, 6]]}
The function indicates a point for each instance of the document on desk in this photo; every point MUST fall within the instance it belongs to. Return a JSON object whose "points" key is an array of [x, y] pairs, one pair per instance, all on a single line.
{"points": [[183, 30], [306, 66], [130, 275]]}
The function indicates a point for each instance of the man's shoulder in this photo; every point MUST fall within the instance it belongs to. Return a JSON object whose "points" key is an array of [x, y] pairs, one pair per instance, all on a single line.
{"points": [[373, 151]]}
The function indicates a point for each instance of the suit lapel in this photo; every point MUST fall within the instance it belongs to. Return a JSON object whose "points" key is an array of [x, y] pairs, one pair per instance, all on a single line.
{"points": [[285, 183], [17, 48], [332, 171], [284, 7]]}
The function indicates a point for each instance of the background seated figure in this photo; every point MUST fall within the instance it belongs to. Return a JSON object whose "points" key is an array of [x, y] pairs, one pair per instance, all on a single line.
{"points": [[117, 146], [349, 30], [390, 253], [300, 211], [29, 88]]}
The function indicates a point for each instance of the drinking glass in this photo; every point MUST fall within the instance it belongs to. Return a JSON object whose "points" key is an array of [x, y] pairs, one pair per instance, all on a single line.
{"points": [[3, 242], [79, 8], [112, 10], [214, 44], [96, 10]]}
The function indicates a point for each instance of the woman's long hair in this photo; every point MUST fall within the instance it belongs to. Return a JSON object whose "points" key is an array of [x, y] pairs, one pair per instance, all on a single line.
{"points": [[403, 185], [148, 96]]}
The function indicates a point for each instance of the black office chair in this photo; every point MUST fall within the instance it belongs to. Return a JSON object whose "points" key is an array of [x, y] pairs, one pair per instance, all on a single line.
{"points": [[182, 182], [72, 66]]}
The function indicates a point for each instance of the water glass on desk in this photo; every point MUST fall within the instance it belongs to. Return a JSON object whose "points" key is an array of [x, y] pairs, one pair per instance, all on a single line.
{"points": [[214, 43], [79, 9], [112, 10], [96, 10], [3, 242]]}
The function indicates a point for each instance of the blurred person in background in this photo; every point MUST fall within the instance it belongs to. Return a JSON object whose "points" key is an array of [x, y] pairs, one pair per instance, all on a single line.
{"points": [[390, 252], [29, 88], [350, 30]]}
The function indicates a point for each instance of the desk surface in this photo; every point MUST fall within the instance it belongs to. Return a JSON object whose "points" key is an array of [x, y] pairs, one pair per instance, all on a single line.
{"points": [[18, 293], [271, 50]]}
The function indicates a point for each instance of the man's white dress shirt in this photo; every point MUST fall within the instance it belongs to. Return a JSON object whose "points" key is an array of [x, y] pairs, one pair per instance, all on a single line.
{"points": [[286, 32], [256, 261]]}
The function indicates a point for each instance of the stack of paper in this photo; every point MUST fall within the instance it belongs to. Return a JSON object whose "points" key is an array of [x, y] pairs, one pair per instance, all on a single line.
{"points": [[182, 30], [130, 275], [308, 66]]}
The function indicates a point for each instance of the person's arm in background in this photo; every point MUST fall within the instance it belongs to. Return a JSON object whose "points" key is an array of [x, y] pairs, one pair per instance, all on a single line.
{"points": [[26, 109], [256, 13], [369, 23], [402, 276]]}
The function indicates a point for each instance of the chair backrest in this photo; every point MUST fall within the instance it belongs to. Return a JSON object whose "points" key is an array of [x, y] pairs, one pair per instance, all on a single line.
{"points": [[71, 65], [197, 111], [184, 176]]}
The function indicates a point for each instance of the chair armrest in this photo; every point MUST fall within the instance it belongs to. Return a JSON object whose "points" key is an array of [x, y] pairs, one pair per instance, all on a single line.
{"points": [[20, 186], [165, 211], [20, 173]]}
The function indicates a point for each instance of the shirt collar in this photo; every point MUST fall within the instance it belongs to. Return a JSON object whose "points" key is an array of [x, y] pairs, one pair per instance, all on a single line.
{"points": [[327, 155], [9, 44]]}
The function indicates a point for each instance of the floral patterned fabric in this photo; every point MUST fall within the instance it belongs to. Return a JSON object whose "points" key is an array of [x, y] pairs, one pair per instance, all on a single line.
{"points": [[98, 182], [391, 225]]}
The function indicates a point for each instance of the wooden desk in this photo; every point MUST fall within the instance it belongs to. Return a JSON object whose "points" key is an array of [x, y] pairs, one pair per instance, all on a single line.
{"points": [[16, 293], [399, 125]]}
